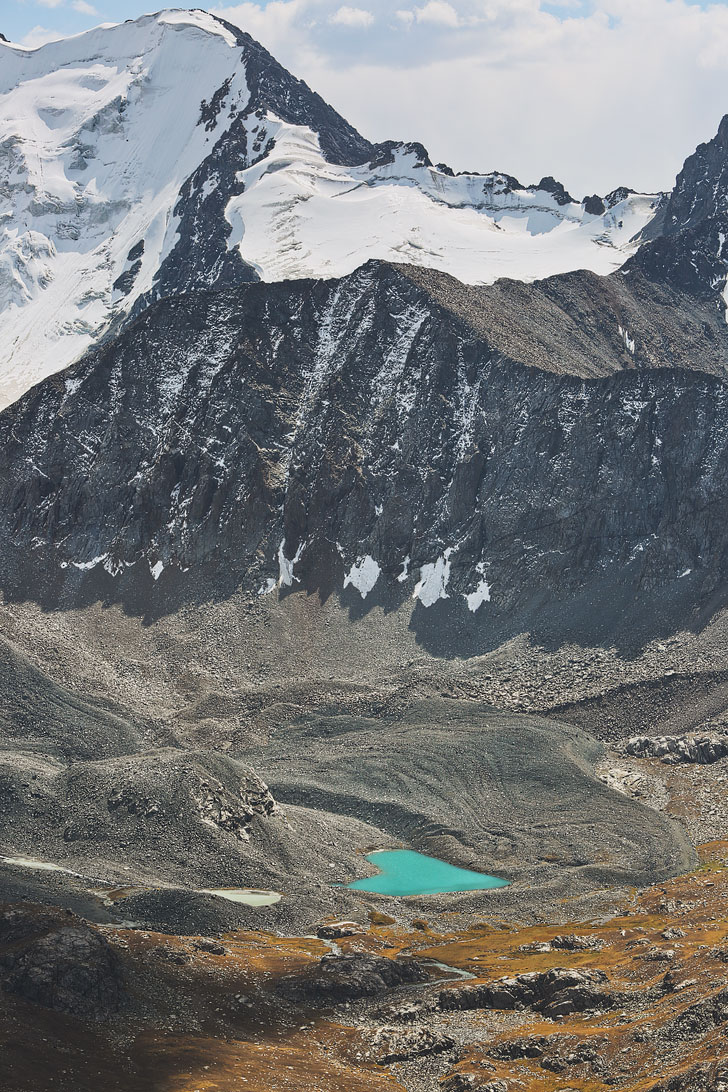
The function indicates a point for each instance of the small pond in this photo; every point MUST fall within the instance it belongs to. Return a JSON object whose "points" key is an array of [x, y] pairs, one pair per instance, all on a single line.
{"points": [[39, 866], [245, 896], [404, 872]]}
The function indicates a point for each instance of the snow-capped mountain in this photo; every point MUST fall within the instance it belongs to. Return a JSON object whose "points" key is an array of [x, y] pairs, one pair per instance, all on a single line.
{"points": [[173, 153], [484, 457]]}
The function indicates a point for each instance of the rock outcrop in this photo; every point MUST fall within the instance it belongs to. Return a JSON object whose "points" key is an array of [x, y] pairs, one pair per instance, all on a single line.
{"points": [[558, 992], [673, 750], [68, 968], [472, 1082]]}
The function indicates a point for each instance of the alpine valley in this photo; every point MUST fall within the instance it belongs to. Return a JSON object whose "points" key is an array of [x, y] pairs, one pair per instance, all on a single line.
{"points": [[350, 505]]}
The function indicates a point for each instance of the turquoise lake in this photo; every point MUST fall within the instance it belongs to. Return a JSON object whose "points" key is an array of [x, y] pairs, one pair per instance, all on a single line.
{"points": [[404, 872]]}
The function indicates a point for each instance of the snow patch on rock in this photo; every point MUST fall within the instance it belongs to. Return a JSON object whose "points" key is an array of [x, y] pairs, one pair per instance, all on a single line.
{"points": [[363, 575], [286, 565], [86, 565], [475, 599], [434, 578], [100, 135], [629, 342]]}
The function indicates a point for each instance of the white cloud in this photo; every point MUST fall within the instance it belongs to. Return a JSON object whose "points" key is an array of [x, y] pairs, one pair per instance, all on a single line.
{"points": [[599, 93], [50, 3], [39, 36], [83, 8], [352, 17], [438, 12]]}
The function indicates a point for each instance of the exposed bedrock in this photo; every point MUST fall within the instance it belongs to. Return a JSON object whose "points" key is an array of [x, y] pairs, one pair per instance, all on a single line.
{"points": [[339, 978], [471, 1082]]}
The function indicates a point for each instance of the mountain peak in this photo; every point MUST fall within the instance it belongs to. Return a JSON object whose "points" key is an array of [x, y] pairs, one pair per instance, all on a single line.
{"points": [[685, 244], [189, 159], [701, 187], [550, 185]]}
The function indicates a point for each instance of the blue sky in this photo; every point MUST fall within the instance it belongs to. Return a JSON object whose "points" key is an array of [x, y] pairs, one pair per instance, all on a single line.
{"points": [[599, 93], [19, 17]]}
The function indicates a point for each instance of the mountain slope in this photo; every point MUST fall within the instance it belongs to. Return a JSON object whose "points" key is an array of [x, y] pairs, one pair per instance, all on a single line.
{"points": [[362, 437], [174, 153]]}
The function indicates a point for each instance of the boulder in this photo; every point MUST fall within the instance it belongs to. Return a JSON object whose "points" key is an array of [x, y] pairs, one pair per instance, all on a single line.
{"points": [[339, 978], [338, 930]]}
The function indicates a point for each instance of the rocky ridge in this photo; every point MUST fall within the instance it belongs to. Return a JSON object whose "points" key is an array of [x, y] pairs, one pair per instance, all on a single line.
{"points": [[300, 408]]}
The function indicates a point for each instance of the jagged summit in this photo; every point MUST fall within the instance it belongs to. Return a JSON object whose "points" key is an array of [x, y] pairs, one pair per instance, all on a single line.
{"points": [[172, 152], [686, 242], [701, 187]]}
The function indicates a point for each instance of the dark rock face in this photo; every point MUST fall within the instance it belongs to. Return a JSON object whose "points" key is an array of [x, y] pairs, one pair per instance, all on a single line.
{"points": [[276, 434], [550, 185], [594, 205], [690, 252], [273, 88], [701, 185], [384, 153], [339, 978], [558, 992], [617, 195], [504, 459], [201, 258], [70, 969]]}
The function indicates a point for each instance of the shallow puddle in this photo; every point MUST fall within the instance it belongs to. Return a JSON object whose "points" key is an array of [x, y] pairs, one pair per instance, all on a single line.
{"points": [[404, 872]]}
